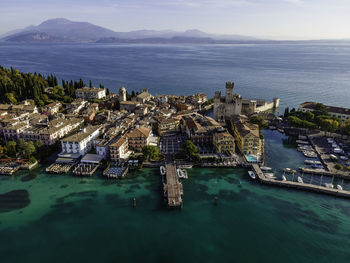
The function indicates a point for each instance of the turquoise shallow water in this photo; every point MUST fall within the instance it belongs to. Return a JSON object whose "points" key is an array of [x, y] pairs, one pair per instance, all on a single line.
{"points": [[72, 219]]}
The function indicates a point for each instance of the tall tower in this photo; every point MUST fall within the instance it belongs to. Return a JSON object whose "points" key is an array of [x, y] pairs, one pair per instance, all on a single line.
{"points": [[229, 92], [122, 94]]}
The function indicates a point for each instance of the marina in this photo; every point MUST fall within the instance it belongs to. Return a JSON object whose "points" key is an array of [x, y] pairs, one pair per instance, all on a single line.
{"points": [[85, 169], [300, 185]]}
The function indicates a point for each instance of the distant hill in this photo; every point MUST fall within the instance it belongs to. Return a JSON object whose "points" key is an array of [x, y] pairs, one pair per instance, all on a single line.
{"points": [[63, 30]]}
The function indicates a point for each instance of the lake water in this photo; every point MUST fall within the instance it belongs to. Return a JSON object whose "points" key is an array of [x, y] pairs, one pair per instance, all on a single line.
{"points": [[69, 219], [295, 73]]}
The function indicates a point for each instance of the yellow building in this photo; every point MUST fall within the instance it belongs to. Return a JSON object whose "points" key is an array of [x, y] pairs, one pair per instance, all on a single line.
{"points": [[224, 142], [248, 138]]}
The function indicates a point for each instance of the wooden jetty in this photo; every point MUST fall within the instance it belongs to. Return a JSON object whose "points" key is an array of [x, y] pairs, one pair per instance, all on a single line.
{"points": [[296, 185], [173, 189], [84, 169], [58, 168], [323, 172], [116, 172]]}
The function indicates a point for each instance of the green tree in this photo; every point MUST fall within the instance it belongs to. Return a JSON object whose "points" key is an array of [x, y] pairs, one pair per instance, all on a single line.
{"points": [[29, 149], [11, 148], [259, 121], [10, 98], [151, 152], [190, 150]]}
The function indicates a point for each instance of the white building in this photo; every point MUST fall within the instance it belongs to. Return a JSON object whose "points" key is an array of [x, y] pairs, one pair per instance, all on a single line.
{"points": [[81, 142], [90, 93]]}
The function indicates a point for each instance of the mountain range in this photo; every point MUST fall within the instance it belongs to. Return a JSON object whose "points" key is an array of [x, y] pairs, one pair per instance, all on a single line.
{"points": [[66, 31]]}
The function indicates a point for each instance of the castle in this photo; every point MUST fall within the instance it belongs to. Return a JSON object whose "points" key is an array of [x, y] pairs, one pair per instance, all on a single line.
{"points": [[231, 105]]}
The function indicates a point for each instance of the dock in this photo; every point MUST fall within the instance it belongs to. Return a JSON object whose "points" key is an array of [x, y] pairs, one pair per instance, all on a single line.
{"points": [[116, 172], [173, 189], [8, 170], [58, 168], [85, 169], [301, 186]]}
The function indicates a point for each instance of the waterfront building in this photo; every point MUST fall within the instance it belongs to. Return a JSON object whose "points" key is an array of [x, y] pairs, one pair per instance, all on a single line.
{"points": [[139, 137], [248, 139], [80, 143], [339, 112], [119, 151], [76, 106], [86, 93], [12, 132], [224, 142]]}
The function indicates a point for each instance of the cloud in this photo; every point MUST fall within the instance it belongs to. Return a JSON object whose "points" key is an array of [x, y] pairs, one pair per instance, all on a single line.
{"points": [[294, 1]]}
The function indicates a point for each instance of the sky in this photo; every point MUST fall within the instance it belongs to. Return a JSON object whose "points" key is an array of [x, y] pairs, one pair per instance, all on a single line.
{"points": [[272, 19]]}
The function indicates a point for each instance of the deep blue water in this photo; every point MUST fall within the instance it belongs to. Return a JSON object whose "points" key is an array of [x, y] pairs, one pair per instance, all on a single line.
{"points": [[295, 73]]}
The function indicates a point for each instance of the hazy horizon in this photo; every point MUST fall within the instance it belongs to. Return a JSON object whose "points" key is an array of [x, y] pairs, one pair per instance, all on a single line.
{"points": [[271, 19]]}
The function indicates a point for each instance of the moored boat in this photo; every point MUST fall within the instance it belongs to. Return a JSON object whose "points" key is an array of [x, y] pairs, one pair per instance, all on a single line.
{"points": [[265, 168], [339, 187], [162, 170], [270, 175], [300, 180], [252, 174]]}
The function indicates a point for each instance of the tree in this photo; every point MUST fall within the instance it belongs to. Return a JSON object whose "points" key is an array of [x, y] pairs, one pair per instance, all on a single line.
{"points": [[151, 152], [10, 98], [190, 150], [90, 84], [21, 145], [29, 149], [11, 148], [107, 92], [259, 121]]}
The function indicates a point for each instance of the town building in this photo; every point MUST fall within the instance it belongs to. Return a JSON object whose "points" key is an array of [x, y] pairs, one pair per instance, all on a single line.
{"points": [[86, 93], [139, 138], [248, 139], [51, 108], [119, 151], [167, 126], [224, 142], [339, 112], [129, 106], [143, 96], [80, 143]]}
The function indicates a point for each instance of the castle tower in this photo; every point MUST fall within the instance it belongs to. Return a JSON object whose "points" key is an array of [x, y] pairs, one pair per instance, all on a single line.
{"points": [[276, 102], [229, 92], [122, 94]]}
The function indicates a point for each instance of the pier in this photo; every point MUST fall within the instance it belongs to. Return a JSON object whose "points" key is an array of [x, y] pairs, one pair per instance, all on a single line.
{"points": [[85, 169], [173, 189], [58, 168], [296, 185]]}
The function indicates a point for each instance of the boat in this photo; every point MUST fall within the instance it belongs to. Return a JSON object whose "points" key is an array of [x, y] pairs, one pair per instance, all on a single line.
{"points": [[281, 130], [329, 185], [265, 168], [186, 166], [270, 175], [272, 127], [339, 187], [284, 178], [300, 180], [162, 170], [252, 174], [312, 162], [182, 173]]}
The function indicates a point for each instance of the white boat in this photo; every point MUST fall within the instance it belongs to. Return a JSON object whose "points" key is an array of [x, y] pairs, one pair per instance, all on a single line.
{"points": [[265, 168], [162, 170], [300, 180], [186, 166], [339, 187], [252, 174], [302, 142], [284, 178], [182, 173], [329, 185], [270, 175]]}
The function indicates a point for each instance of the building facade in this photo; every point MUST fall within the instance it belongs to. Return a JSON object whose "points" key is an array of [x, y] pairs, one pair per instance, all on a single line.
{"points": [[90, 93]]}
